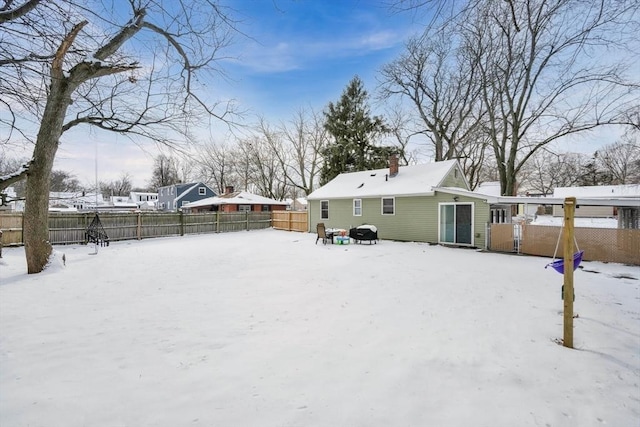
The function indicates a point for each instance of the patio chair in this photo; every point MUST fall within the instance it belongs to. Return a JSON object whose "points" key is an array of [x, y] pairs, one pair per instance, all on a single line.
{"points": [[322, 233]]}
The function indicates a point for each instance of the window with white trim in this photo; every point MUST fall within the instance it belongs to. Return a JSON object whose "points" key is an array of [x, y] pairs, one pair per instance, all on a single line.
{"points": [[202, 191], [324, 209], [499, 216], [388, 206], [357, 207]]}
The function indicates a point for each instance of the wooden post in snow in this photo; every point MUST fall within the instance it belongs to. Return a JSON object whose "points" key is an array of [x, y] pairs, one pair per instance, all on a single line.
{"points": [[567, 240]]}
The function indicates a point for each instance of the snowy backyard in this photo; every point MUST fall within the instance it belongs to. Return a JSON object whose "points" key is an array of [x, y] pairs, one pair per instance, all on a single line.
{"points": [[266, 328]]}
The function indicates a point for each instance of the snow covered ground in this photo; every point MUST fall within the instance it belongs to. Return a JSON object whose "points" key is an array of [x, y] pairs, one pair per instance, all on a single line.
{"points": [[265, 328]]}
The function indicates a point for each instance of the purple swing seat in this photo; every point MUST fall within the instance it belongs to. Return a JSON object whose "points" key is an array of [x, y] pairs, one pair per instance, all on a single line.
{"points": [[558, 265]]}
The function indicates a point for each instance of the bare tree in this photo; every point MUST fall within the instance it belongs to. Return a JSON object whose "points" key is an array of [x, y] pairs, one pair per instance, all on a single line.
{"points": [[264, 169], [539, 79], [441, 82], [119, 187], [8, 168], [165, 172], [216, 165], [403, 128], [547, 170], [621, 160], [242, 165], [297, 146], [69, 63], [64, 181], [544, 68]]}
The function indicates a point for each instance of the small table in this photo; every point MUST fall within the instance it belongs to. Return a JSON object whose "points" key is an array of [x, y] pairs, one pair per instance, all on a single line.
{"points": [[340, 234]]}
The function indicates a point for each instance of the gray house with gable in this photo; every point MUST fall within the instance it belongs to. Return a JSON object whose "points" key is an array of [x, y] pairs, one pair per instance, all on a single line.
{"points": [[172, 197]]}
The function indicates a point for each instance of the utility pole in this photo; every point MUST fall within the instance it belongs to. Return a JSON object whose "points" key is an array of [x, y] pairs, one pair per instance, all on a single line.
{"points": [[567, 239]]}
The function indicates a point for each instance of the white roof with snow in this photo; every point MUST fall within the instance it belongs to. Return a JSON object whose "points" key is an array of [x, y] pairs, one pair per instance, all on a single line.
{"points": [[238, 198], [412, 180], [491, 188], [608, 191]]}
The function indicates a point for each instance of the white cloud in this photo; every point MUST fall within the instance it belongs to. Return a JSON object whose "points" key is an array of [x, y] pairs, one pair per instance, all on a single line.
{"points": [[281, 56]]}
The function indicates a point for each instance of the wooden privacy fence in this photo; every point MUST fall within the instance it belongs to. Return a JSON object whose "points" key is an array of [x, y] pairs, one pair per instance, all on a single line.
{"points": [[599, 244], [68, 228], [290, 220]]}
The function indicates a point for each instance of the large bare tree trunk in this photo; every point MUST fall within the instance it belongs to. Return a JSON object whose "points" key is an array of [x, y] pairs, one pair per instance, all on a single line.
{"points": [[37, 86], [36, 211]]}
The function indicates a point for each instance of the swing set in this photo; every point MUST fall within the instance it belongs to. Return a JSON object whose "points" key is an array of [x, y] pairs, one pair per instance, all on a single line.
{"points": [[558, 264]]}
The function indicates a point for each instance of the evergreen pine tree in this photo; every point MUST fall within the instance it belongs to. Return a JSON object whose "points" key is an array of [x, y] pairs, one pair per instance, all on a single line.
{"points": [[354, 131]]}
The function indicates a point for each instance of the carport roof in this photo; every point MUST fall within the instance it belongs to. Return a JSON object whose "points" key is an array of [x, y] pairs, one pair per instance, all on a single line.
{"points": [[523, 200]]}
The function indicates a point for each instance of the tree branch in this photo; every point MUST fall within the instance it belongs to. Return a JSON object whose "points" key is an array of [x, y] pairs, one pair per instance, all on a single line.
{"points": [[6, 14], [19, 175]]}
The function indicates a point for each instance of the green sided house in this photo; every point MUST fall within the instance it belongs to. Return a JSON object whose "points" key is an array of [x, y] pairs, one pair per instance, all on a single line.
{"points": [[424, 203]]}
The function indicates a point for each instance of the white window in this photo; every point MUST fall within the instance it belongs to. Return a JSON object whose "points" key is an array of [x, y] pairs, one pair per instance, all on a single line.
{"points": [[324, 209], [388, 206], [244, 208], [202, 191], [357, 207], [175, 204], [498, 216]]}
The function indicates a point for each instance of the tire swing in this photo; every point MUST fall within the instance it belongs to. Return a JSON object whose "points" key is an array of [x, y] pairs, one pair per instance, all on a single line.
{"points": [[558, 264]]}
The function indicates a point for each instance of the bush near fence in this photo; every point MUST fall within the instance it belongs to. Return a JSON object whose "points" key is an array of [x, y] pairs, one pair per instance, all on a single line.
{"points": [[599, 244], [70, 228]]}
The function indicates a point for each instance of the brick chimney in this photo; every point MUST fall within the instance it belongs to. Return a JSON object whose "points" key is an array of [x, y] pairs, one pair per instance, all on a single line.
{"points": [[228, 189], [393, 165]]}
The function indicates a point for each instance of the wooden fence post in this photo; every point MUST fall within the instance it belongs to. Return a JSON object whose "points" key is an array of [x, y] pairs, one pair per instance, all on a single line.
{"points": [[567, 239], [139, 226], [181, 222]]}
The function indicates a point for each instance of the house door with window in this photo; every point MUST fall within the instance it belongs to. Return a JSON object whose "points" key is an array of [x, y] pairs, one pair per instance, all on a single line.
{"points": [[456, 223]]}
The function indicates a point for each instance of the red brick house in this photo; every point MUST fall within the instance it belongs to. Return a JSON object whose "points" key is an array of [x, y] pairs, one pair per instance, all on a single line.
{"points": [[235, 201]]}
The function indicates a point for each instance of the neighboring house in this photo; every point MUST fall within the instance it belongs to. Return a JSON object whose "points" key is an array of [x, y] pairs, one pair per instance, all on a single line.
{"points": [[144, 201], [604, 192], [426, 203], [297, 204], [75, 201], [236, 201], [174, 197], [120, 203]]}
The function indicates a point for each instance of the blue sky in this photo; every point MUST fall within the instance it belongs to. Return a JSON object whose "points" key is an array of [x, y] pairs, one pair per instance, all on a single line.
{"points": [[293, 54], [304, 52]]}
